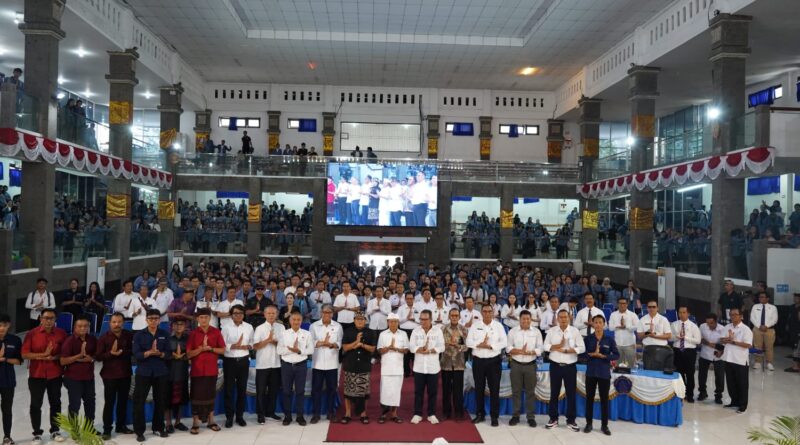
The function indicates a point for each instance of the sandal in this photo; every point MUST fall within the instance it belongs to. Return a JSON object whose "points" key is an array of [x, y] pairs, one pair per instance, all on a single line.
{"points": [[345, 420], [397, 420], [382, 420], [365, 420], [194, 430], [214, 427]]}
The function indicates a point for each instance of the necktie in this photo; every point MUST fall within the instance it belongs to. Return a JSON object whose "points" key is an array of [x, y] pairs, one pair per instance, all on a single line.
{"points": [[589, 328], [763, 315], [683, 333]]}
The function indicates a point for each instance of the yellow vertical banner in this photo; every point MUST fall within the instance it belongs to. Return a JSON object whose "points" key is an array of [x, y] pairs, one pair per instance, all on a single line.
{"points": [[327, 145], [433, 148], [118, 206], [554, 151], [254, 213], [486, 149], [167, 138], [641, 219], [120, 112], [200, 138], [166, 209], [590, 219], [591, 147], [274, 142], [643, 126], [506, 219]]}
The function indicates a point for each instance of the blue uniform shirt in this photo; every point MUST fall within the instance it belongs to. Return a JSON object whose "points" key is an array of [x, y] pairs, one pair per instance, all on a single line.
{"points": [[8, 378], [600, 367], [152, 366]]}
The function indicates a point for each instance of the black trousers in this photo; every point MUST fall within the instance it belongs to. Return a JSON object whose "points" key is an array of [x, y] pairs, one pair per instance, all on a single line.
{"points": [[566, 375], [293, 379], [421, 383], [487, 370], [7, 394], [80, 391], [592, 383], [142, 387], [329, 379], [268, 385], [37, 388], [685, 364], [408, 358], [453, 393], [719, 377], [115, 394], [235, 372], [738, 384]]}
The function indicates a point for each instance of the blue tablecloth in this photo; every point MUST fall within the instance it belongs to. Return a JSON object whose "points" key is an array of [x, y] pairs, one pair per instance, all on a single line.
{"points": [[667, 412]]}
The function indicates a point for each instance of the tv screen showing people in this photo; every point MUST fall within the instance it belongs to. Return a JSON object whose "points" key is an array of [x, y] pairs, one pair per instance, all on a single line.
{"points": [[382, 194]]}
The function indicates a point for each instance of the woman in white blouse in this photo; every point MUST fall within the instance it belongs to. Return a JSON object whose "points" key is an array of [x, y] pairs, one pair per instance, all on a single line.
{"points": [[494, 305], [533, 306], [510, 312]]}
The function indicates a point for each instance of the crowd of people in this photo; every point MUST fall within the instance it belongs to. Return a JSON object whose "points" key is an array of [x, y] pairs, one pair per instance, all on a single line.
{"points": [[390, 201], [424, 323]]}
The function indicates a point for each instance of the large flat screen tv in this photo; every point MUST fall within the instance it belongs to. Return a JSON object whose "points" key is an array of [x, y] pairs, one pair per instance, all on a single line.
{"points": [[382, 194]]}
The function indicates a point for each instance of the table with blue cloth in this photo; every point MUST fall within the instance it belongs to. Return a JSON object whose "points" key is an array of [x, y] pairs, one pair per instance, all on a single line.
{"points": [[219, 405], [641, 397]]}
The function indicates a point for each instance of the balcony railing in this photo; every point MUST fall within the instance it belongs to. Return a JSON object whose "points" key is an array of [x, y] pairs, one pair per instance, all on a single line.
{"points": [[148, 242], [71, 247], [207, 241], [316, 167], [699, 142], [615, 164], [547, 247], [298, 244]]}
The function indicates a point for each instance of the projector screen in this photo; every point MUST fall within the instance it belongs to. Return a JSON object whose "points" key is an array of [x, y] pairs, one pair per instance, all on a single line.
{"points": [[386, 195]]}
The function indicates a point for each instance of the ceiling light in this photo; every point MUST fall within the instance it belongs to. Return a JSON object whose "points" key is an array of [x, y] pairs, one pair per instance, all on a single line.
{"points": [[148, 94], [18, 18], [691, 187], [80, 52], [87, 93], [2, 50], [713, 113], [528, 71], [61, 80], [630, 141], [311, 65], [60, 95]]}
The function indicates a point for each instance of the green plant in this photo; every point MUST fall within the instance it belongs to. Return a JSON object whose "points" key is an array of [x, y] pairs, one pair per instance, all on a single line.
{"points": [[79, 428], [784, 430]]}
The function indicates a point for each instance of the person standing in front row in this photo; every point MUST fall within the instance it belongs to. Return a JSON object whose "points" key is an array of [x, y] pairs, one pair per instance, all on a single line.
{"points": [[10, 356], [203, 348], [393, 346], [268, 364], [685, 340], [77, 359], [426, 344], [524, 346], [42, 348], [358, 344], [602, 350], [764, 317], [114, 350], [453, 364], [654, 330], [564, 343], [150, 346], [710, 353], [738, 339], [327, 337], [624, 324], [487, 339], [294, 347], [238, 338]]}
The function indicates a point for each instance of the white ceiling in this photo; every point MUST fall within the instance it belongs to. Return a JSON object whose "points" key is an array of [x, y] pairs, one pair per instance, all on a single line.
{"points": [[403, 43]]}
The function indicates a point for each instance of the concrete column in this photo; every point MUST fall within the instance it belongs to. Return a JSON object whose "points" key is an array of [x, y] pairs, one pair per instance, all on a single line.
{"points": [[254, 228], [122, 80], [320, 235], [202, 129], [273, 131], [506, 234], [485, 137], [729, 50], [42, 30], [170, 108], [433, 136], [589, 124], [643, 92], [438, 248], [555, 140]]}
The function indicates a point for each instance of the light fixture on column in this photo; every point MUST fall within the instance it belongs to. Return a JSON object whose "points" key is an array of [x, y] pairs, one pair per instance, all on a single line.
{"points": [[713, 113], [690, 188], [147, 94], [18, 18], [61, 80], [60, 95], [630, 141], [80, 52]]}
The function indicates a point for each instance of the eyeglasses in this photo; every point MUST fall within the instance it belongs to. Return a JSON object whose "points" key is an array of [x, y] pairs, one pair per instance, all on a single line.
{"points": [[238, 313], [48, 318], [652, 307], [424, 319]]}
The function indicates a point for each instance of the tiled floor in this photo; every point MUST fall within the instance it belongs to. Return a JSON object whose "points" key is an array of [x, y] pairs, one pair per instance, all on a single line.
{"points": [[704, 422]]}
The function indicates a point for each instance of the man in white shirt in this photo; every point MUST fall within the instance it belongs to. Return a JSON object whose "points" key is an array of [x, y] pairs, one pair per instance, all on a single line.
{"points": [[162, 297], [487, 339], [738, 339], [564, 343], [524, 346], [469, 314], [453, 298], [268, 364], [327, 337], [426, 302], [476, 292], [711, 333], [39, 299], [624, 324], [238, 336], [319, 297], [653, 330], [224, 308], [426, 345], [583, 321], [378, 309], [764, 317], [345, 305], [138, 308], [294, 347], [408, 315], [549, 317], [122, 302], [685, 341], [207, 301], [440, 311], [393, 345], [419, 199]]}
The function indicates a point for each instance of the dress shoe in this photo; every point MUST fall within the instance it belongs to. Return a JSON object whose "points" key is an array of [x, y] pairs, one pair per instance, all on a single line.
{"points": [[140, 438], [301, 420], [702, 397], [228, 423], [241, 422], [718, 400], [162, 434], [124, 430], [314, 419], [587, 429], [261, 421], [689, 400], [514, 421], [478, 419], [731, 405], [495, 422], [532, 423], [287, 420], [606, 431], [106, 435], [274, 417]]}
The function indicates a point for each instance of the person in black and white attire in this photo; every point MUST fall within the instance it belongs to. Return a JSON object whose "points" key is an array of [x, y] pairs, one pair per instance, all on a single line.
{"points": [[487, 339], [738, 339], [564, 343], [686, 338], [39, 299], [710, 352]]}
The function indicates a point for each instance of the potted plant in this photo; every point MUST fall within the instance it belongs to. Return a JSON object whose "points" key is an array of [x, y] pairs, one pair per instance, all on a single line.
{"points": [[80, 429], [784, 430]]}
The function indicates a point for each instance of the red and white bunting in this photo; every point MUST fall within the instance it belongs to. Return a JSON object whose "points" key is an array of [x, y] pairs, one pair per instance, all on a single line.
{"points": [[34, 147], [757, 160]]}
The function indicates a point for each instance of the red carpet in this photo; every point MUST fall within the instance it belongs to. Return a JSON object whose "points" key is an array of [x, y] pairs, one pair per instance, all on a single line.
{"points": [[423, 432]]}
